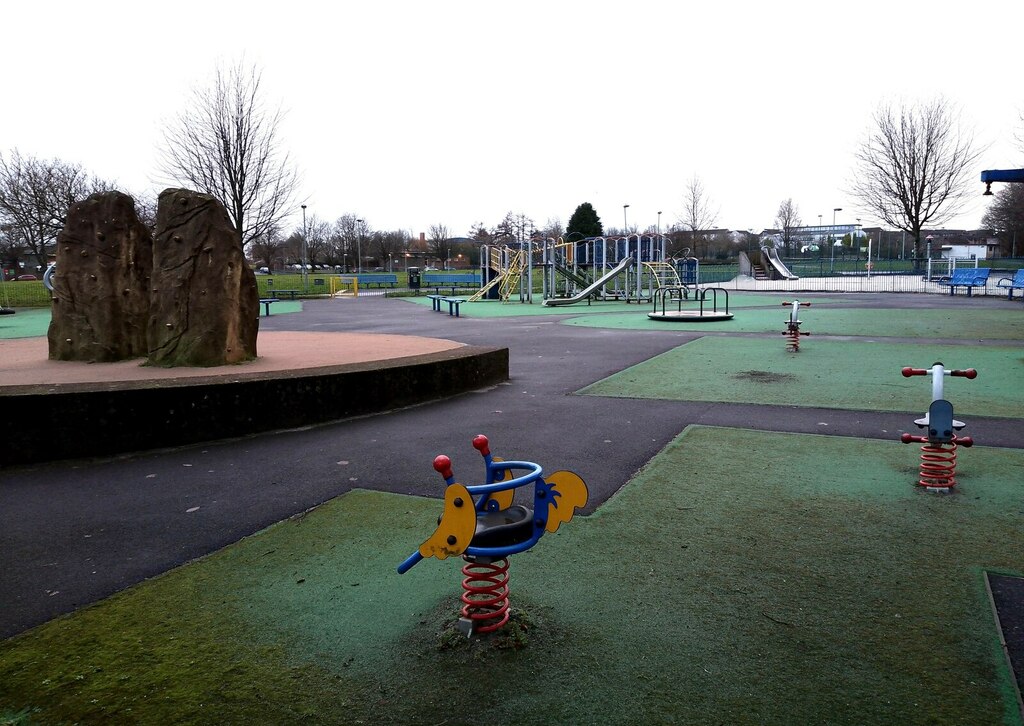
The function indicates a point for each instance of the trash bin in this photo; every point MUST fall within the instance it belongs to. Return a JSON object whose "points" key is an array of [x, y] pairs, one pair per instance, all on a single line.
{"points": [[414, 278]]}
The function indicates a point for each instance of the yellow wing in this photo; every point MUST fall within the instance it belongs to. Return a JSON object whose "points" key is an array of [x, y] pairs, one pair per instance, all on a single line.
{"points": [[455, 530], [573, 493]]}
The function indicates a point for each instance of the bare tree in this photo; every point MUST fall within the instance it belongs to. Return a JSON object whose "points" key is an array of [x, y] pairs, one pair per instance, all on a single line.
{"points": [[388, 245], [916, 167], [346, 235], [698, 212], [34, 198], [437, 241], [786, 219], [516, 227], [1005, 216], [318, 235], [268, 249], [553, 228], [227, 145]]}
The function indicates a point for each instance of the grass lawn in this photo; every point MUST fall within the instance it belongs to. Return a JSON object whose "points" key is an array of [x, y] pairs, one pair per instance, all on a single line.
{"points": [[740, 577], [861, 376]]}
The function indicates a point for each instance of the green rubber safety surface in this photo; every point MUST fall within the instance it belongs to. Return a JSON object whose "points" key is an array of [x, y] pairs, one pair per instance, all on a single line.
{"points": [[498, 309], [25, 323], [852, 375], [965, 324], [33, 322], [740, 577]]}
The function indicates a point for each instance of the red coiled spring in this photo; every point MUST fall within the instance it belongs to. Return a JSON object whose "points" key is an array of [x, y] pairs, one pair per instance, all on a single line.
{"points": [[938, 465], [792, 338], [485, 594]]}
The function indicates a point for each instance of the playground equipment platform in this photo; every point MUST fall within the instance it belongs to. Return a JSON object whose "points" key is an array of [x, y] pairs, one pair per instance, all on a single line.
{"points": [[298, 379]]}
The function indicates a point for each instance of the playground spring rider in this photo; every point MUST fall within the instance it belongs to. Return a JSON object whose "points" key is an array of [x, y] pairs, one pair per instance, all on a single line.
{"points": [[486, 529], [792, 331], [938, 455]]}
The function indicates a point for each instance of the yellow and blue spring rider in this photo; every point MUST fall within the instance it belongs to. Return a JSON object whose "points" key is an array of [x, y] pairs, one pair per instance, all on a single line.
{"points": [[482, 525]]}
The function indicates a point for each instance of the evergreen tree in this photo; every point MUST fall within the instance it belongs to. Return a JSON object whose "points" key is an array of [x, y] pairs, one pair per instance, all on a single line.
{"points": [[584, 222]]}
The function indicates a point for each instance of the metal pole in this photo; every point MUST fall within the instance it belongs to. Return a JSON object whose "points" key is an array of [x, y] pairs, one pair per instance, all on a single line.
{"points": [[832, 242], [359, 246], [625, 226], [305, 274]]}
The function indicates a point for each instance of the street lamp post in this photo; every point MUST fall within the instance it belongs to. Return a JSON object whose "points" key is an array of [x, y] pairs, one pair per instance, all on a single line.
{"points": [[820, 236], [625, 226], [359, 246], [305, 274], [832, 242], [659, 224]]}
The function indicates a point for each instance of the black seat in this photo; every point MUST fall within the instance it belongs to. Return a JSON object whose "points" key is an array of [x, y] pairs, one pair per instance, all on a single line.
{"points": [[940, 421], [500, 529]]}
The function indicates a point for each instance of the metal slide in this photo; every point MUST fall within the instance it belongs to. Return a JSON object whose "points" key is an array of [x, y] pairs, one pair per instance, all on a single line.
{"points": [[771, 255], [591, 289]]}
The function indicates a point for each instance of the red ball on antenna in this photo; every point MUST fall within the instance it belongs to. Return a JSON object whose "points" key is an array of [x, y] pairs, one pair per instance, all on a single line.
{"points": [[443, 466], [481, 444]]}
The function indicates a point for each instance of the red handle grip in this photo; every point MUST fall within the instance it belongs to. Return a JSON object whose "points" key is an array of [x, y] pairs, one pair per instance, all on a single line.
{"points": [[481, 444], [908, 372], [968, 373], [910, 438], [443, 466]]}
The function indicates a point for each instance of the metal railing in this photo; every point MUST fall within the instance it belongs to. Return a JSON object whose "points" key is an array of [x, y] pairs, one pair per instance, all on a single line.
{"points": [[856, 275]]}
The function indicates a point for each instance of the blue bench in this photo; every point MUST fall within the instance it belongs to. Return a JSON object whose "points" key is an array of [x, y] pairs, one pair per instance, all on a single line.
{"points": [[437, 280], [266, 302], [452, 302], [968, 278], [380, 280], [1012, 283]]}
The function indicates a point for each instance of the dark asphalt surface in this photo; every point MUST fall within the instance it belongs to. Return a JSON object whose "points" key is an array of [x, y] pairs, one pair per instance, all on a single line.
{"points": [[72, 533]]}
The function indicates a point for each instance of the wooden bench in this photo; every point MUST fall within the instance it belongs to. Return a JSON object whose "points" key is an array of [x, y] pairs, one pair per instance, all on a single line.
{"points": [[968, 278], [1012, 283], [266, 302], [437, 280]]}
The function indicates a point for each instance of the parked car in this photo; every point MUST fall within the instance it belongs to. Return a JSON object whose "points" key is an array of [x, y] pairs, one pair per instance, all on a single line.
{"points": [[26, 277]]}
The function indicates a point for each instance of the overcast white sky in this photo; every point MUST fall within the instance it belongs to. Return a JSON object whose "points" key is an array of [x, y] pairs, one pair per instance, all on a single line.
{"points": [[412, 114]]}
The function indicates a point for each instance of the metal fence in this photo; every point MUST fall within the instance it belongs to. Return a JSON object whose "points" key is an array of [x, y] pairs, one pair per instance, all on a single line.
{"points": [[849, 275]]}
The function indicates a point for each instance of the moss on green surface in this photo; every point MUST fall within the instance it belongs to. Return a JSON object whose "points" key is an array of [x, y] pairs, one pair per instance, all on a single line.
{"points": [[741, 577], [825, 373]]}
